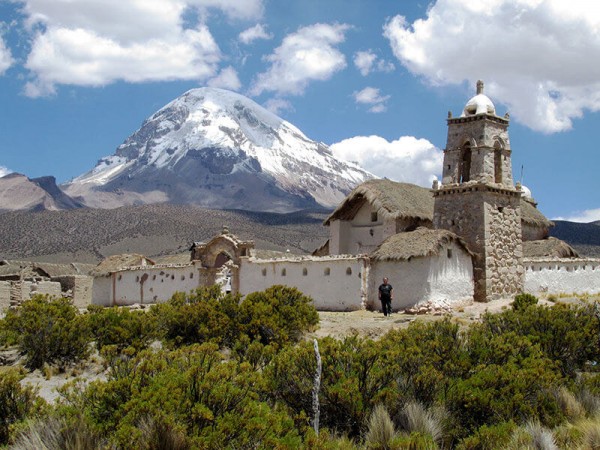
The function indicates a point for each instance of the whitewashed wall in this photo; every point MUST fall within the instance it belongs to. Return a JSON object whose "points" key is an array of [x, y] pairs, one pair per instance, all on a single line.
{"points": [[354, 237], [334, 283], [149, 284], [439, 279], [562, 276]]}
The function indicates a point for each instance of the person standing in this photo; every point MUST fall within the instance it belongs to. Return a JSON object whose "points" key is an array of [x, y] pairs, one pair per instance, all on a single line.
{"points": [[386, 295]]}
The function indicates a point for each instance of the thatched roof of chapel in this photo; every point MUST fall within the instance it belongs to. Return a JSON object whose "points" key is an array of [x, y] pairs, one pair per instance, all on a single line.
{"points": [[389, 199], [415, 244], [530, 215], [409, 201], [551, 247], [115, 263]]}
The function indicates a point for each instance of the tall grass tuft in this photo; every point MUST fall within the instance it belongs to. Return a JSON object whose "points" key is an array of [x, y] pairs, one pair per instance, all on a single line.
{"points": [[532, 436], [569, 405], [161, 436], [381, 429], [55, 434], [415, 418]]}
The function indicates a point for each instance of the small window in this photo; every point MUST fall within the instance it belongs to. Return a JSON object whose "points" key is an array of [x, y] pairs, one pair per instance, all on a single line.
{"points": [[119, 277], [449, 253], [374, 216], [243, 253], [137, 279], [349, 271], [500, 209], [172, 277], [154, 277], [182, 277], [264, 272], [283, 272], [191, 275], [327, 271], [304, 271]]}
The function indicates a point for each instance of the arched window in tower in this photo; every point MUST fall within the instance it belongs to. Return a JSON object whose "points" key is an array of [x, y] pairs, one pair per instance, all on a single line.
{"points": [[465, 164], [497, 162]]}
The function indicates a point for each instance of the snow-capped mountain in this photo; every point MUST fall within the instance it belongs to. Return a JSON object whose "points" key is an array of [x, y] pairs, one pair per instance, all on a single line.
{"points": [[215, 148]]}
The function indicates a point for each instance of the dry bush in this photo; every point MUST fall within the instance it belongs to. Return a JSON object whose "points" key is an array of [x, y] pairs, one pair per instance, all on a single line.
{"points": [[160, 436]]}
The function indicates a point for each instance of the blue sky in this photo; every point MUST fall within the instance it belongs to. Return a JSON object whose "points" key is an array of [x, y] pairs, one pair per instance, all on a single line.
{"points": [[372, 78]]}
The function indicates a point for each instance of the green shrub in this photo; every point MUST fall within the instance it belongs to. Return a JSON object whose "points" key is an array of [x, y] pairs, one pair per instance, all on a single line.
{"points": [[16, 402], [523, 301], [121, 327], [193, 318], [566, 334], [186, 396], [279, 314], [49, 331], [489, 437]]}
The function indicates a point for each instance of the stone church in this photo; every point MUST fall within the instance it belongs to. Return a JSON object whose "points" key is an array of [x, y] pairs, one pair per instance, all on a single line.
{"points": [[474, 236]]}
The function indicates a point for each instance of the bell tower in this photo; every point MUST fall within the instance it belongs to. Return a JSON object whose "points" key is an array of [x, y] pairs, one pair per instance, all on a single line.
{"points": [[477, 199]]}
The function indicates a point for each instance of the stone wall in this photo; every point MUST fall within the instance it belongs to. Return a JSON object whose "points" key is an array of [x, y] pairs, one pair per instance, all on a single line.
{"points": [[4, 296], [489, 220], [556, 276]]}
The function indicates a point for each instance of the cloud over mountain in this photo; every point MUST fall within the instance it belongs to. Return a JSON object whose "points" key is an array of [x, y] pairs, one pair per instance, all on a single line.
{"points": [[406, 159]]}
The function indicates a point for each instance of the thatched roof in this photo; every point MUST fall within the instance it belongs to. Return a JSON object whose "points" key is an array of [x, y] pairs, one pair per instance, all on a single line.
{"points": [[179, 258], [268, 254], [530, 215], [405, 200], [389, 198], [115, 263], [550, 247], [415, 244]]}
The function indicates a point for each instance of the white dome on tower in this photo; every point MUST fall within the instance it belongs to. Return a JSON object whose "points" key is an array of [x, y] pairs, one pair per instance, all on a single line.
{"points": [[480, 104]]}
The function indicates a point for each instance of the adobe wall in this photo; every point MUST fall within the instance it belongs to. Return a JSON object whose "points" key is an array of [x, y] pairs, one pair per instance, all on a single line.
{"points": [[562, 276], [78, 287], [334, 283], [445, 279], [31, 288], [149, 284]]}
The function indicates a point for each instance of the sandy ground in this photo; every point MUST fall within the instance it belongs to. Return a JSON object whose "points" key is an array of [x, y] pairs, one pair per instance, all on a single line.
{"points": [[374, 324]]}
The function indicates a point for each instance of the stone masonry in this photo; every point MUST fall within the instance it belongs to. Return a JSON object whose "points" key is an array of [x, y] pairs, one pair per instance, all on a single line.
{"points": [[477, 199]]}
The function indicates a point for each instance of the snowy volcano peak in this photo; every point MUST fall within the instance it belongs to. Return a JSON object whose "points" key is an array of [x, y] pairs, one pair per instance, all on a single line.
{"points": [[210, 133]]}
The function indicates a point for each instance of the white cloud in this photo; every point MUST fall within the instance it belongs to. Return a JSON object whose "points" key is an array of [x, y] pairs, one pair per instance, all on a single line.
{"points": [[371, 96], [367, 62], [227, 79], [539, 57], [6, 59], [589, 215], [258, 31], [278, 105], [307, 55], [406, 159], [97, 42], [235, 9], [4, 171]]}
